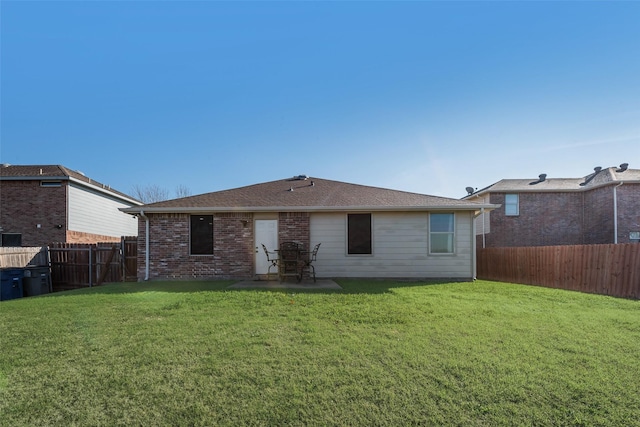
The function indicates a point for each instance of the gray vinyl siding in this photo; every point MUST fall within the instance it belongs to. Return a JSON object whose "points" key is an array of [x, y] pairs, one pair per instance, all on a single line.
{"points": [[400, 247], [94, 212]]}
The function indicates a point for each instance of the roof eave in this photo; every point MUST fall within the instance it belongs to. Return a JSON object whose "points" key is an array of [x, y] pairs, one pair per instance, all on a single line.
{"points": [[35, 178], [535, 189], [105, 190], [470, 207]]}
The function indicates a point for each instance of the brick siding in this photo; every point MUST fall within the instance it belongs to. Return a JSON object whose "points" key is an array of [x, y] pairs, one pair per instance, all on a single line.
{"points": [[25, 204], [294, 227], [598, 221], [233, 239], [628, 211], [170, 256], [82, 237], [548, 219]]}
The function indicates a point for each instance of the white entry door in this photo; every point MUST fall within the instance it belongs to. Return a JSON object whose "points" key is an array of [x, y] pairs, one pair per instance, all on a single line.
{"points": [[266, 233]]}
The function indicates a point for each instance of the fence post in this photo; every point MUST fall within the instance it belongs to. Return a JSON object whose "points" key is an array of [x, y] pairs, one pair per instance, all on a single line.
{"points": [[90, 266], [123, 254]]}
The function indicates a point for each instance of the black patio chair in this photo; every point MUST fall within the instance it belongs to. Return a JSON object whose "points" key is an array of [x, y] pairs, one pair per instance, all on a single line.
{"points": [[272, 260], [308, 263]]}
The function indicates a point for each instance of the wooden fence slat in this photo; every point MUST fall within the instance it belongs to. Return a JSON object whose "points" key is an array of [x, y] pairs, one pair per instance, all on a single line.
{"points": [[603, 269]]}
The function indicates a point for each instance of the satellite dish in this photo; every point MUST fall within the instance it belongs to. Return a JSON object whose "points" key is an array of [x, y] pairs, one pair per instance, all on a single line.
{"points": [[470, 190]]}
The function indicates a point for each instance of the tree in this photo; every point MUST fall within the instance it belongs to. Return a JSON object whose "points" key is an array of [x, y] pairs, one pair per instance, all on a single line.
{"points": [[182, 191], [154, 193], [150, 193]]}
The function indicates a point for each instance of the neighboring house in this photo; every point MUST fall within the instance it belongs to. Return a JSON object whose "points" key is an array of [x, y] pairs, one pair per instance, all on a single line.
{"points": [[363, 231], [603, 207], [50, 203]]}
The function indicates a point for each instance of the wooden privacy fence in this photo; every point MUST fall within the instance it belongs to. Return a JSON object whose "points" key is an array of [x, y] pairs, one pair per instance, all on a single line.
{"points": [[601, 269], [12, 257], [76, 265]]}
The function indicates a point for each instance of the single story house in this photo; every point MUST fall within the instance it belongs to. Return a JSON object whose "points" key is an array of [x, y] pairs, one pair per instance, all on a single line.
{"points": [[364, 231], [602, 207], [41, 204]]}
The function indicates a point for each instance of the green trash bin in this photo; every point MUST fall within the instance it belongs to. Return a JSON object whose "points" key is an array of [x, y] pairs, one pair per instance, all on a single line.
{"points": [[36, 281]]}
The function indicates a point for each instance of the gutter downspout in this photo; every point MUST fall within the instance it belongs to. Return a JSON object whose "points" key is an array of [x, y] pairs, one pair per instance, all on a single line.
{"points": [[615, 212], [484, 243], [474, 249], [474, 240], [146, 245]]}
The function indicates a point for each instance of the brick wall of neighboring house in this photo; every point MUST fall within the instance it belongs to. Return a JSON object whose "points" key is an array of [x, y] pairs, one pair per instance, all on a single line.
{"points": [[598, 217], [170, 247], [82, 237], [25, 204], [294, 227], [628, 196], [544, 219]]}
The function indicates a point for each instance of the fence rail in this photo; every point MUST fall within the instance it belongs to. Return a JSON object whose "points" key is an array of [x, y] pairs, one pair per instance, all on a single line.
{"points": [[602, 269]]}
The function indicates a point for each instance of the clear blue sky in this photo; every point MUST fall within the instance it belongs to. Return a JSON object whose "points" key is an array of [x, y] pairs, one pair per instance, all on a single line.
{"points": [[429, 97]]}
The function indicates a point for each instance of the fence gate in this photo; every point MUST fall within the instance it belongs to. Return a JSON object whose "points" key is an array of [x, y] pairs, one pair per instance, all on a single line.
{"points": [[75, 265]]}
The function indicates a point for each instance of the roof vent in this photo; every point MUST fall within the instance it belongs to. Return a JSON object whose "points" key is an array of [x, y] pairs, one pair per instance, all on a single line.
{"points": [[290, 188], [469, 190], [312, 184], [623, 167], [588, 179], [541, 178]]}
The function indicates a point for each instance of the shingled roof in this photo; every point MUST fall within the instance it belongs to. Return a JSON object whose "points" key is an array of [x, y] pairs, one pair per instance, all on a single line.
{"points": [[56, 173], [307, 194], [602, 177]]}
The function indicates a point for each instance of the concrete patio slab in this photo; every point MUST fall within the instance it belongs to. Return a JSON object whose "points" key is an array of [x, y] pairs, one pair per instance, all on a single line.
{"points": [[274, 284]]}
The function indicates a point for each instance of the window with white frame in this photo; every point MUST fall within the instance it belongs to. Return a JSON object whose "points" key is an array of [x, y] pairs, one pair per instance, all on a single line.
{"points": [[511, 205], [441, 233]]}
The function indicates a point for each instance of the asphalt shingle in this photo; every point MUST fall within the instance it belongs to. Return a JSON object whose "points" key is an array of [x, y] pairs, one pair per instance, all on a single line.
{"points": [[306, 194]]}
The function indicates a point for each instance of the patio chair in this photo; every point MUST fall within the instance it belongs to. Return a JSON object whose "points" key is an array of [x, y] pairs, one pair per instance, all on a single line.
{"points": [[289, 261], [272, 260], [308, 263]]}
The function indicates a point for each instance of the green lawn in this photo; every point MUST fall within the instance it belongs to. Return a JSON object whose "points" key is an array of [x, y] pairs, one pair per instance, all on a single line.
{"points": [[376, 353]]}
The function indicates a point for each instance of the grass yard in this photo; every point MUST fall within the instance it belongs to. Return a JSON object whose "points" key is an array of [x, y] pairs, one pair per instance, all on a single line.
{"points": [[378, 353]]}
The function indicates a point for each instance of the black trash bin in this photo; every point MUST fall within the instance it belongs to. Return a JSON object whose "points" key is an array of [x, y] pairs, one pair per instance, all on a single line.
{"points": [[37, 281], [11, 283]]}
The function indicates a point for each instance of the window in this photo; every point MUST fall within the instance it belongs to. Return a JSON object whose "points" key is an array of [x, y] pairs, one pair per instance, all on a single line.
{"points": [[441, 229], [511, 205], [11, 239], [201, 234], [359, 234]]}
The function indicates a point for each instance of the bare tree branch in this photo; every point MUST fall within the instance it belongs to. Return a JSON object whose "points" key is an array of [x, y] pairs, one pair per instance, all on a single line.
{"points": [[182, 191], [150, 193]]}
